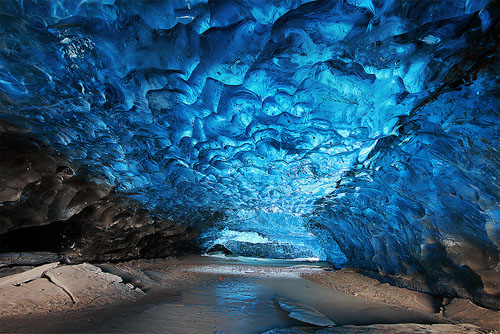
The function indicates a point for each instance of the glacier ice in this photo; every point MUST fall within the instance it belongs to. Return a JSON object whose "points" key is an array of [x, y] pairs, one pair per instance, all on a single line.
{"points": [[367, 127], [263, 234]]}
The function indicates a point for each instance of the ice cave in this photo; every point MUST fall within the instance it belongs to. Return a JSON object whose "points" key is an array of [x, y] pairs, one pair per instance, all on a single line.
{"points": [[362, 135]]}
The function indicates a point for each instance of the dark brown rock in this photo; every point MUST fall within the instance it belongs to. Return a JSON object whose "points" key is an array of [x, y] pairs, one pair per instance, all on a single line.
{"points": [[46, 206]]}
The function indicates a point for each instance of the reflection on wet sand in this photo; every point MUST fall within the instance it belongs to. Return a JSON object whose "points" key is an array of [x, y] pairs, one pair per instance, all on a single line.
{"points": [[211, 300]]}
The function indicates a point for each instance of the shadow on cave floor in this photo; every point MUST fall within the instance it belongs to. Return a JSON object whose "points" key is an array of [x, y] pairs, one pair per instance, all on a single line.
{"points": [[221, 302]]}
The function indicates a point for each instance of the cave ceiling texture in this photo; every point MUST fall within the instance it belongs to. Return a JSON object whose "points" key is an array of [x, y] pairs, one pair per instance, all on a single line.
{"points": [[361, 132]]}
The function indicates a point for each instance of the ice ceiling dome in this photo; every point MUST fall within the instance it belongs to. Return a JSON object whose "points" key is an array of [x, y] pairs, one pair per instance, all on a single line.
{"points": [[262, 104], [376, 122]]}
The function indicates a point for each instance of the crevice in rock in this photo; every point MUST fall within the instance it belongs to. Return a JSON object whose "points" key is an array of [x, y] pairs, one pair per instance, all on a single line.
{"points": [[46, 238], [51, 278], [444, 303]]}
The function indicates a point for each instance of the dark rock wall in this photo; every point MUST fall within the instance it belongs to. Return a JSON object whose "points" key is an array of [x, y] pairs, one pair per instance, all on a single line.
{"points": [[44, 206]]}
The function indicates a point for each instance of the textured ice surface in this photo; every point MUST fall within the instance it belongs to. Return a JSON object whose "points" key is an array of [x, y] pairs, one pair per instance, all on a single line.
{"points": [[246, 105], [275, 235], [379, 120]]}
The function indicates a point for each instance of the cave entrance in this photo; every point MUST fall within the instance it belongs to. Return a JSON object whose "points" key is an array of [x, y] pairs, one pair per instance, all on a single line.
{"points": [[267, 235]]}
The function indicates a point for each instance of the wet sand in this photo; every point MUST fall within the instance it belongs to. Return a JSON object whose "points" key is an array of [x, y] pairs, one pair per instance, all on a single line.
{"points": [[210, 295]]}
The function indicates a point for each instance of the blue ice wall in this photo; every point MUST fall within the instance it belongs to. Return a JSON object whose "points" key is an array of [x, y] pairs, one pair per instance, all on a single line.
{"points": [[287, 234], [375, 122]]}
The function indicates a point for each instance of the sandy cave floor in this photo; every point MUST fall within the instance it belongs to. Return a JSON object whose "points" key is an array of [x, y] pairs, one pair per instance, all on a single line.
{"points": [[214, 295]]}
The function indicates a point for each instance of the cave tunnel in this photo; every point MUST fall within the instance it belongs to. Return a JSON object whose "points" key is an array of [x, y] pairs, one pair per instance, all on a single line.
{"points": [[360, 133]]}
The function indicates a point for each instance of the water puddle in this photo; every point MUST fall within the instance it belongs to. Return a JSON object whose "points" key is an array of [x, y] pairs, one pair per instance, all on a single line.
{"points": [[229, 304]]}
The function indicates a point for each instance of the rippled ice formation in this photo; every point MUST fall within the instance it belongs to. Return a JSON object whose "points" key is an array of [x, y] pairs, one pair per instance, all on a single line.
{"points": [[377, 119], [286, 233]]}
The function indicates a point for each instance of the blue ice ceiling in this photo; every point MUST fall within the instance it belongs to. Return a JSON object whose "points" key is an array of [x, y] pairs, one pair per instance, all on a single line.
{"points": [[374, 123]]}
